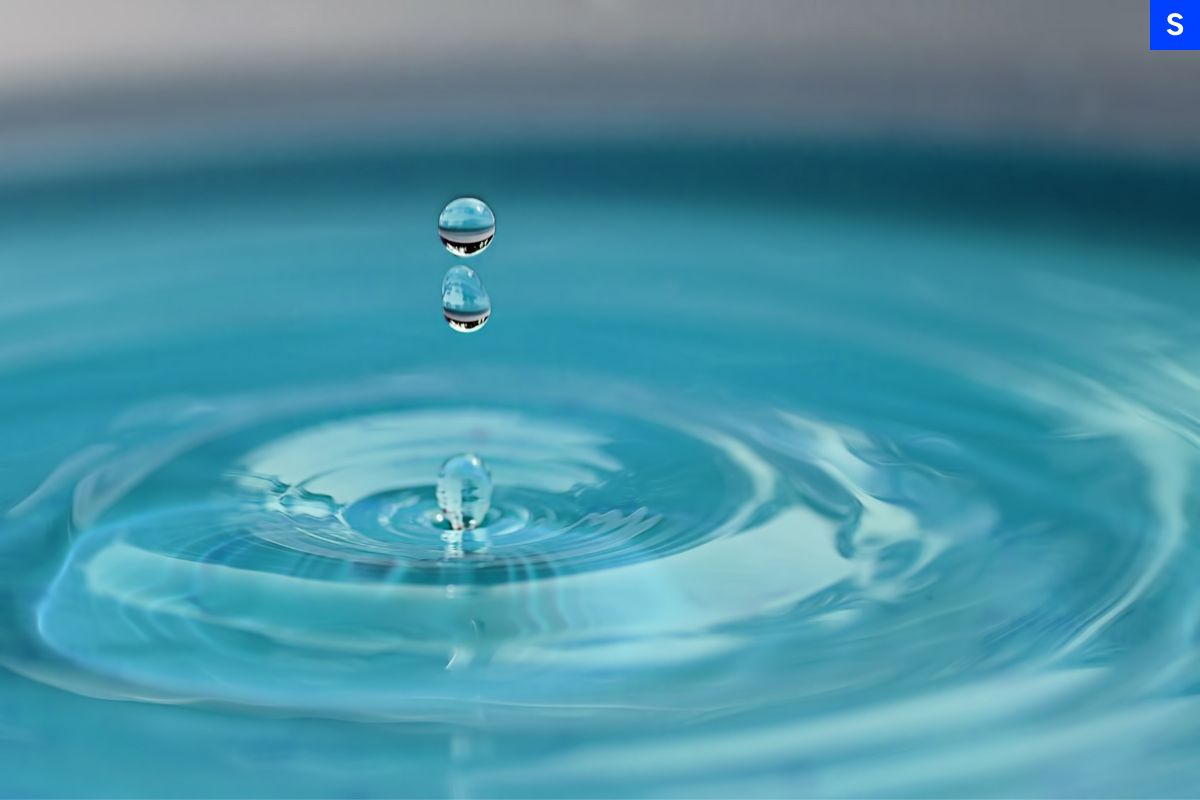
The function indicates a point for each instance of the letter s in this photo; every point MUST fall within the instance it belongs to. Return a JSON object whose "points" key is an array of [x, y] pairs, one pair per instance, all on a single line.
{"points": [[1175, 21]]}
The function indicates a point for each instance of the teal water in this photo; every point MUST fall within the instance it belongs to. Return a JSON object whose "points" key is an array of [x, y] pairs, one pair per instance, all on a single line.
{"points": [[829, 471]]}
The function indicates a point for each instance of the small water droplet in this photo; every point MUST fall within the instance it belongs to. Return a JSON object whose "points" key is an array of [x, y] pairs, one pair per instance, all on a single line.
{"points": [[464, 491], [465, 303], [467, 226]]}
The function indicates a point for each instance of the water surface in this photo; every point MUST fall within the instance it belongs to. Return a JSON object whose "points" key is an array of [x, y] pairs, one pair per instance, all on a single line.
{"points": [[837, 471]]}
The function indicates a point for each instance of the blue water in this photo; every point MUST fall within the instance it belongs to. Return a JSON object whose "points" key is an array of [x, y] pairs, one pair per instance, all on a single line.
{"points": [[819, 471]]}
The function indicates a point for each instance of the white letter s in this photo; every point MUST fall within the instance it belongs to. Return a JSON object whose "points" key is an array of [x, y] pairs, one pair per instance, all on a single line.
{"points": [[1175, 21]]}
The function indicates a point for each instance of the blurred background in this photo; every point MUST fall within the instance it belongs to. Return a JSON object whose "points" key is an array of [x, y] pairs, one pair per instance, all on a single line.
{"points": [[153, 79]]}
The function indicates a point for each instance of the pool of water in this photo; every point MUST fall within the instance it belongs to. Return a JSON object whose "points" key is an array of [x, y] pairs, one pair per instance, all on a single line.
{"points": [[819, 470]]}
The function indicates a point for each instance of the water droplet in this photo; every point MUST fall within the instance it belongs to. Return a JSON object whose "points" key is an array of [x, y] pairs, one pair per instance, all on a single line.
{"points": [[465, 302], [467, 226], [464, 491]]}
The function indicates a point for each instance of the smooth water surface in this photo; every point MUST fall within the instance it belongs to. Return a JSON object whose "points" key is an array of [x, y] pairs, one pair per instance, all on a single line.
{"points": [[817, 471]]}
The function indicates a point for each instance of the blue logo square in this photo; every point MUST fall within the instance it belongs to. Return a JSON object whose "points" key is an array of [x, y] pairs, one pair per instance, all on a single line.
{"points": [[1175, 24]]}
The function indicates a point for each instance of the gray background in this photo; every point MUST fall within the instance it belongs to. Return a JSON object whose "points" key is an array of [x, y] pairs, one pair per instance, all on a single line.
{"points": [[143, 77]]}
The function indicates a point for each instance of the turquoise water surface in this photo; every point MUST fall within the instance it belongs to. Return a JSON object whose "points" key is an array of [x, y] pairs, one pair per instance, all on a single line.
{"points": [[833, 471]]}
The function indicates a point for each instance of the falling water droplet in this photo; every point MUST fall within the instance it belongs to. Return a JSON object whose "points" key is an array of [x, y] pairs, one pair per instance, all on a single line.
{"points": [[465, 303], [464, 491], [467, 226]]}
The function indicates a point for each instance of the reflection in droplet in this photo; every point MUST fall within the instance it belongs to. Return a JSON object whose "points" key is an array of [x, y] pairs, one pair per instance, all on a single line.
{"points": [[464, 491], [466, 226], [465, 303]]}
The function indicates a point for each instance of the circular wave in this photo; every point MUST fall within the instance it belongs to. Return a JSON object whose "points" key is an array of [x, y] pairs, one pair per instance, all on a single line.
{"points": [[867, 518], [307, 568]]}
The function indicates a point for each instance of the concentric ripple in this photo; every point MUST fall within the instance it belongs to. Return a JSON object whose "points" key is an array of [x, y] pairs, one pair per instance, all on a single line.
{"points": [[312, 545], [565, 502], [885, 508]]}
